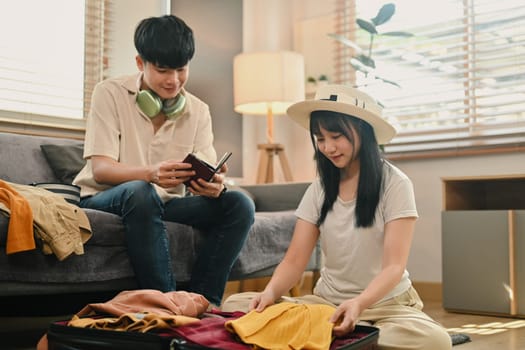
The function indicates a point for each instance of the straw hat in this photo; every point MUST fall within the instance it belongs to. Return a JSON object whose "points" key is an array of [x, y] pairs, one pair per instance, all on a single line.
{"points": [[346, 100]]}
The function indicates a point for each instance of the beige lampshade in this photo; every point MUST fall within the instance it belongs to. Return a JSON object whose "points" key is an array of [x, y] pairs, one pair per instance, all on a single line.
{"points": [[263, 80]]}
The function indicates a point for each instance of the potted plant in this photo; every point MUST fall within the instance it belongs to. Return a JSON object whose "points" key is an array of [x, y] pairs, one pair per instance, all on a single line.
{"points": [[362, 60]]}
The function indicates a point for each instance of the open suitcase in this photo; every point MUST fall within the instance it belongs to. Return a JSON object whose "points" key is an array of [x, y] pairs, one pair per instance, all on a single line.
{"points": [[63, 337]]}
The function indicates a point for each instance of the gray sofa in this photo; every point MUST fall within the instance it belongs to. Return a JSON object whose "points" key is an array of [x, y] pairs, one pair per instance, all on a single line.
{"points": [[105, 265]]}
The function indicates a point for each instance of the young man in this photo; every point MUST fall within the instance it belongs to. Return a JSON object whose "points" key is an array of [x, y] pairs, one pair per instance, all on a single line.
{"points": [[138, 131]]}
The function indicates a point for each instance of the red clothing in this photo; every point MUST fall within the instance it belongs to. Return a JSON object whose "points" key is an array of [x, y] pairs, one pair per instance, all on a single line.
{"points": [[211, 332]]}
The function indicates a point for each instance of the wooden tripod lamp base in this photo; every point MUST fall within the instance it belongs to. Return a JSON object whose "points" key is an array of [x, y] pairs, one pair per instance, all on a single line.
{"points": [[265, 171]]}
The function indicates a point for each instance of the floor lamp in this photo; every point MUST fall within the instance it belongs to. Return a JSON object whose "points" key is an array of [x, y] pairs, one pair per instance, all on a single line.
{"points": [[267, 83]]}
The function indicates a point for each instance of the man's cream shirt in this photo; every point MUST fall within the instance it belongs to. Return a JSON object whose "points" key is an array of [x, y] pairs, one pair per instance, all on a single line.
{"points": [[117, 128]]}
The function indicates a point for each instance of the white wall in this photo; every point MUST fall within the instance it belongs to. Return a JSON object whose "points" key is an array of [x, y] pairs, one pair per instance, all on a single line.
{"points": [[127, 14], [217, 28], [269, 25], [261, 18]]}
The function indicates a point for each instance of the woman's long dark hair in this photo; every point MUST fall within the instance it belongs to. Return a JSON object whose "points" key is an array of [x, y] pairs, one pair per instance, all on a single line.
{"points": [[371, 172]]}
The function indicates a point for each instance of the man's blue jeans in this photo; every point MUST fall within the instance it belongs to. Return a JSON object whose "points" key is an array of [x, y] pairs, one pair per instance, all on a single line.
{"points": [[224, 221]]}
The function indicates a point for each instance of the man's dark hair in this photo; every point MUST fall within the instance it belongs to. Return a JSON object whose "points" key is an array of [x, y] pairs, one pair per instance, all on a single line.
{"points": [[165, 41], [371, 172]]}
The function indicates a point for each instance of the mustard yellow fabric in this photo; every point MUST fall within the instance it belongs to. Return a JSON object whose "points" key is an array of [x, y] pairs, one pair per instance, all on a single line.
{"points": [[133, 322], [286, 326]]}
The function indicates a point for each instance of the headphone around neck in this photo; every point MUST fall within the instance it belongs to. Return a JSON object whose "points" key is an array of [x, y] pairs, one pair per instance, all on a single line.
{"points": [[151, 104]]}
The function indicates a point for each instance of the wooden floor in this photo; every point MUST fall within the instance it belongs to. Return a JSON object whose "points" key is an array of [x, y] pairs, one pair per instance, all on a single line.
{"points": [[486, 332]]}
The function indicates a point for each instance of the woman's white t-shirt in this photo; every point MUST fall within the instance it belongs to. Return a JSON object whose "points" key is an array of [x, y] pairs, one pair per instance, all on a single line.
{"points": [[352, 256]]}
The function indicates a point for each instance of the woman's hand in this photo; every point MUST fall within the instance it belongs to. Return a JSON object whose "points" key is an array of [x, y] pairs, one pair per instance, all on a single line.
{"points": [[170, 173], [346, 317], [262, 300]]}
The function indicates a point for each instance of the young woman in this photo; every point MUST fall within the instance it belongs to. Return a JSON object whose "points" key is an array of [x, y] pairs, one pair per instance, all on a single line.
{"points": [[363, 211]]}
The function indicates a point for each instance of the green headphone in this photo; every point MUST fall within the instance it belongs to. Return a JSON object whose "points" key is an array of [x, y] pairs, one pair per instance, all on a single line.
{"points": [[151, 104]]}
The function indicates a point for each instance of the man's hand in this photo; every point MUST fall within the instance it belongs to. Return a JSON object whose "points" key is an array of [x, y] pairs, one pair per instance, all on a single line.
{"points": [[212, 189], [170, 173]]}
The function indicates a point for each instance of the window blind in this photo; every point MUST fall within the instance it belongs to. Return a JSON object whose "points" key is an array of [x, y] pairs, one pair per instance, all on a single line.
{"points": [[51, 55], [98, 28], [456, 86]]}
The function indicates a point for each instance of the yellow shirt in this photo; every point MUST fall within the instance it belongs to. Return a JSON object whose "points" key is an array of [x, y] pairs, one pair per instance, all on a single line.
{"points": [[286, 326], [118, 129]]}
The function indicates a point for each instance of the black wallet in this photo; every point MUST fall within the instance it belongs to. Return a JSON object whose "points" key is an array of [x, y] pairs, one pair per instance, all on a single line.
{"points": [[204, 170]]}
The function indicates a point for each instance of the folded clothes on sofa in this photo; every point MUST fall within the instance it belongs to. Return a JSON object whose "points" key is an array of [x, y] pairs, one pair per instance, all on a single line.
{"points": [[62, 227]]}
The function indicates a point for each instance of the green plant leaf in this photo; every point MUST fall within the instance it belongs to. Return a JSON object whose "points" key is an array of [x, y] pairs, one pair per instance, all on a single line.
{"points": [[385, 13], [358, 66], [362, 61], [404, 34], [366, 25], [388, 81], [367, 61]]}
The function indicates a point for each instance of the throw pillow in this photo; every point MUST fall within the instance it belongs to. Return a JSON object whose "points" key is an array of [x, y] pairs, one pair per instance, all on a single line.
{"points": [[65, 160], [71, 193]]}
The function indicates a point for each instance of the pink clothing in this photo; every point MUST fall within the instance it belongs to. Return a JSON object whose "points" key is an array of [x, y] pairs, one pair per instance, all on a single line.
{"points": [[150, 301]]}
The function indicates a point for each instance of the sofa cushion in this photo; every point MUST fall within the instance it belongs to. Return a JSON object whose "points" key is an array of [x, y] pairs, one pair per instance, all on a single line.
{"points": [[65, 160], [22, 160], [266, 244]]}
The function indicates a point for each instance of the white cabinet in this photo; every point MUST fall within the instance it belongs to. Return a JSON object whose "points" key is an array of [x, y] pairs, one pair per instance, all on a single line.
{"points": [[483, 245]]}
